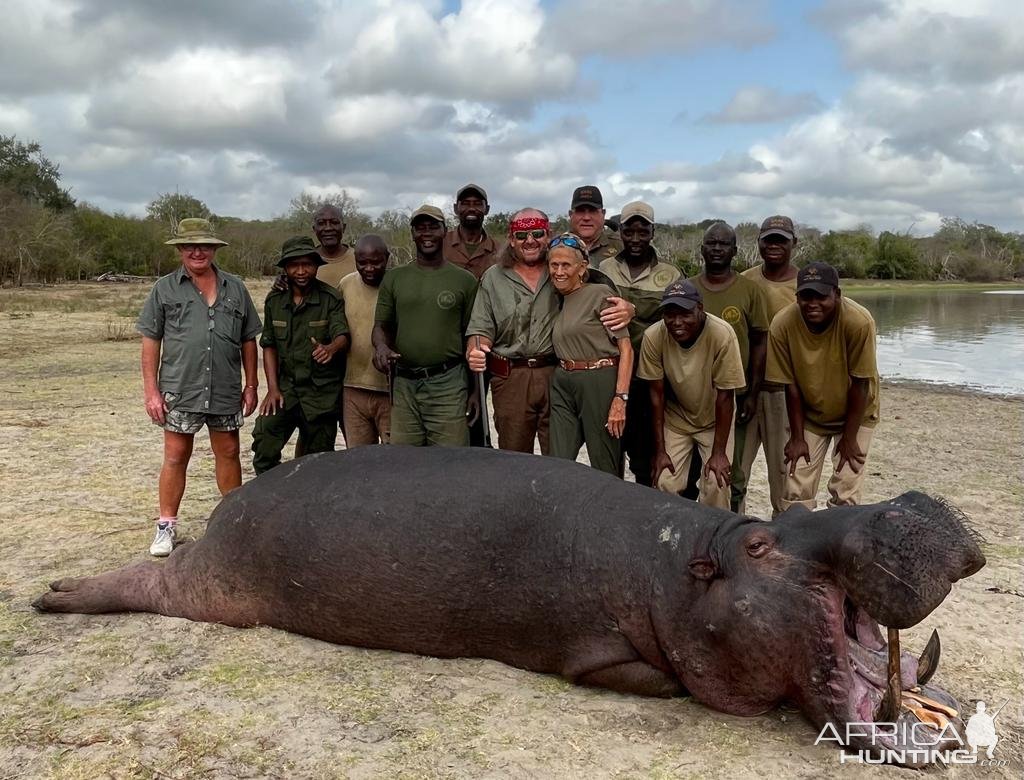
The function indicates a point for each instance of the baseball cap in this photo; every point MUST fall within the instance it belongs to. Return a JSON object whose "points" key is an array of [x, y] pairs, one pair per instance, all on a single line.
{"points": [[683, 294], [470, 188], [817, 276], [637, 209], [587, 195], [426, 210], [299, 246], [777, 226]]}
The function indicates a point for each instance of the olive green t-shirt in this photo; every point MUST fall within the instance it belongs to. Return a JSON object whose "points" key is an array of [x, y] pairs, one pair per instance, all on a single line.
{"points": [[333, 271], [821, 364], [360, 307], [644, 291], [694, 374], [777, 295], [742, 305], [428, 309], [578, 332]]}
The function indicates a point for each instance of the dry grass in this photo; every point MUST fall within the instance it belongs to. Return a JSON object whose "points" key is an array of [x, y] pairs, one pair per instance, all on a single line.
{"points": [[146, 696]]}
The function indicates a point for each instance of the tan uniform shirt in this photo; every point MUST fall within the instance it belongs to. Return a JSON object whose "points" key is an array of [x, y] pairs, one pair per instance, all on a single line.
{"points": [[777, 296], [578, 332], [608, 245], [821, 364], [644, 291], [482, 256], [337, 269], [694, 374], [360, 306]]}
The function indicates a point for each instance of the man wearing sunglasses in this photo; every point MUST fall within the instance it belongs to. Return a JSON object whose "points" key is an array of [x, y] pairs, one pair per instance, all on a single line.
{"points": [[509, 333], [586, 220]]}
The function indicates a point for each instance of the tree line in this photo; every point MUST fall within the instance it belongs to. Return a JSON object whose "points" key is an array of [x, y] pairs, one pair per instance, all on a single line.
{"points": [[46, 237]]}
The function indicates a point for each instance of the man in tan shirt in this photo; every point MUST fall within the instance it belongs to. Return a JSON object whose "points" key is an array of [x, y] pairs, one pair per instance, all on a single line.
{"points": [[822, 348], [339, 259], [366, 405], [698, 354]]}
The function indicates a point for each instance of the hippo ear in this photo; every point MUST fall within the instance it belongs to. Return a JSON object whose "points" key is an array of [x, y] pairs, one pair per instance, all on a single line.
{"points": [[703, 569], [898, 560]]}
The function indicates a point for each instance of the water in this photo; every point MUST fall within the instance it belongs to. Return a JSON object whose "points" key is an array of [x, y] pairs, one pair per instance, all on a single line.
{"points": [[967, 338]]}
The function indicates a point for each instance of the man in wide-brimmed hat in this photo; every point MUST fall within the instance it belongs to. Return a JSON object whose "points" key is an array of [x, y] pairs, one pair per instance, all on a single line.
{"points": [[304, 335], [199, 328]]}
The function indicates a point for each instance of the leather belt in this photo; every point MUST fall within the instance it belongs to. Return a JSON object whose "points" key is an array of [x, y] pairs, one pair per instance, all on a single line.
{"points": [[538, 361], [589, 365], [426, 372]]}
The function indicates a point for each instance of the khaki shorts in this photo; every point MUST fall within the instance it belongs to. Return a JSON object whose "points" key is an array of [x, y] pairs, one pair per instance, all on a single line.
{"points": [[180, 421]]}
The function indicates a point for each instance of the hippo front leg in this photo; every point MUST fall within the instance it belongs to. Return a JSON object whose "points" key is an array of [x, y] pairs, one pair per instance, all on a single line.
{"points": [[637, 677]]}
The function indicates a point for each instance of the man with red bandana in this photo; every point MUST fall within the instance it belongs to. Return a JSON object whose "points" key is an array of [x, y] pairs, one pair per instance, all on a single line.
{"points": [[509, 333]]}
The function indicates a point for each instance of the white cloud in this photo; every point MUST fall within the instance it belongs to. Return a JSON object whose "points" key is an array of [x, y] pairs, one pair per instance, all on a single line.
{"points": [[758, 104]]}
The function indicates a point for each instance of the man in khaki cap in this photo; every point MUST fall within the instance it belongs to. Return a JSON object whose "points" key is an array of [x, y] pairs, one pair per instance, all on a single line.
{"points": [[422, 312], [641, 280], [199, 329]]}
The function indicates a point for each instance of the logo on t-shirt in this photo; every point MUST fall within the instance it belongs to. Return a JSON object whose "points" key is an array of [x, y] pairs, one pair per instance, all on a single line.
{"points": [[664, 277], [446, 299], [731, 314]]}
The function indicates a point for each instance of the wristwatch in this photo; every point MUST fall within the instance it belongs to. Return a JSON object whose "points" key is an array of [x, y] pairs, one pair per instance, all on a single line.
{"points": [[623, 396]]}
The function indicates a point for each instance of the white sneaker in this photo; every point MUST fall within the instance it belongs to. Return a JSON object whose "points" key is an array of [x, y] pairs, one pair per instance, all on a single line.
{"points": [[164, 541]]}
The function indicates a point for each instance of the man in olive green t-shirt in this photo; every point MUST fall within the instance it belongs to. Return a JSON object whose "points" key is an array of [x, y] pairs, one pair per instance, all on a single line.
{"points": [[422, 313], [698, 355], [822, 348]]}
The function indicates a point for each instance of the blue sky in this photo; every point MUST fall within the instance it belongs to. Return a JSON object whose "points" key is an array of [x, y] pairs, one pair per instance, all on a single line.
{"points": [[890, 113]]}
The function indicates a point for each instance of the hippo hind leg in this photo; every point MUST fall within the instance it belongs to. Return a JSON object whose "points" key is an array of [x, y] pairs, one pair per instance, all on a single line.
{"points": [[128, 589], [636, 677]]}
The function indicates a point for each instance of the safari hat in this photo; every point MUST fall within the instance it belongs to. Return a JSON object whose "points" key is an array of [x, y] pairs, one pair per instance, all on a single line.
{"points": [[637, 209], [195, 230], [426, 210], [777, 226], [471, 188], [683, 294], [817, 276], [296, 247]]}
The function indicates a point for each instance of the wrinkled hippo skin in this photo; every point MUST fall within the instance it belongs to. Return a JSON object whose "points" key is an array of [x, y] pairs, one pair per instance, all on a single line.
{"points": [[554, 567]]}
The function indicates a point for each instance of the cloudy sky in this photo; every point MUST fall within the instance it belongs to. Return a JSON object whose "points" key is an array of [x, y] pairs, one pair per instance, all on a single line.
{"points": [[892, 113]]}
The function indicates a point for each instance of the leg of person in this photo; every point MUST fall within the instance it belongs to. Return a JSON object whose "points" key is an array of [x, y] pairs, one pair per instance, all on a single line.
{"points": [[566, 430], [443, 408], [406, 421], [269, 437], [380, 405], [680, 448], [540, 405], [603, 449], [511, 415], [320, 433], [226, 463], [360, 426], [711, 493], [177, 452], [802, 486], [743, 456], [638, 440], [844, 486], [692, 489], [773, 425]]}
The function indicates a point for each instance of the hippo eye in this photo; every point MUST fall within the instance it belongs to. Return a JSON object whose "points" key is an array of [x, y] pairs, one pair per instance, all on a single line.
{"points": [[758, 548]]}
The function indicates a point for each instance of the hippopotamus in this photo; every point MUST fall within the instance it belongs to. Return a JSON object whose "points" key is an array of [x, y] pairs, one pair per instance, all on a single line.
{"points": [[554, 567]]}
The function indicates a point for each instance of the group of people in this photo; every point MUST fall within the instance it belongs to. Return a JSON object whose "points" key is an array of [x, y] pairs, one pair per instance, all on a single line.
{"points": [[585, 337]]}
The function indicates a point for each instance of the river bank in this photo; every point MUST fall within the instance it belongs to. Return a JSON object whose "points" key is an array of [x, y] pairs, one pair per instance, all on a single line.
{"points": [[144, 696]]}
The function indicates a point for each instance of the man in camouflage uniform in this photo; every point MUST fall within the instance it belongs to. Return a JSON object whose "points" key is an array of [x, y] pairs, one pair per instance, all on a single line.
{"points": [[304, 331]]}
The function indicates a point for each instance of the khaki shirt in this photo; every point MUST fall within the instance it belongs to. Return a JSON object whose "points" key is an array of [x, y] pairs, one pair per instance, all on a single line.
{"points": [[694, 374], [334, 270], [483, 256], [644, 290], [200, 345], [777, 296], [291, 330], [578, 333], [742, 305], [821, 364], [517, 320], [360, 306], [608, 245]]}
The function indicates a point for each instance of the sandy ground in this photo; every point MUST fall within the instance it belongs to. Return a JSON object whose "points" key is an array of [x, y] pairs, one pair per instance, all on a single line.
{"points": [[148, 696]]}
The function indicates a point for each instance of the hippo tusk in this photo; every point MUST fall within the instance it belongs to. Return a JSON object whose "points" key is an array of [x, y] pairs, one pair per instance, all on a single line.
{"points": [[925, 715], [889, 707], [930, 703], [929, 660]]}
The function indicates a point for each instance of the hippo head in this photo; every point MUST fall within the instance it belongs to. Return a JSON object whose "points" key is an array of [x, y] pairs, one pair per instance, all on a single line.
{"points": [[789, 610]]}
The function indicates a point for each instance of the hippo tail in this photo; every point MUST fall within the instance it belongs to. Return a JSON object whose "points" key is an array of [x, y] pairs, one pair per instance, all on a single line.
{"points": [[134, 588]]}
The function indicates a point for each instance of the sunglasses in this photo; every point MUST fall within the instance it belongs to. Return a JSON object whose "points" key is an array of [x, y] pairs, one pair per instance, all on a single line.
{"points": [[568, 241], [522, 235]]}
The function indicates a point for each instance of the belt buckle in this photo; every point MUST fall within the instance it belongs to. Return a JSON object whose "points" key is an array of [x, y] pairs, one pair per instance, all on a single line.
{"points": [[531, 363]]}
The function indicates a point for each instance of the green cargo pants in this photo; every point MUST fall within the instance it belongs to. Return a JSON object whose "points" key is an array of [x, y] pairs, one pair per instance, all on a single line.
{"points": [[579, 412], [431, 412], [272, 432]]}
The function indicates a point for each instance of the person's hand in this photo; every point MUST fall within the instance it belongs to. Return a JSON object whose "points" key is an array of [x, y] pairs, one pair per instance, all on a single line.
{"points": [[472, 409], [660, 462], [718, 464], [796, 449], [322, 353], [616, 417], [272, 401], [619, 314], [476, 357], [156, 408], [383, 357], [747, 411], [849, 452], [280, 284], [249, 399]]}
